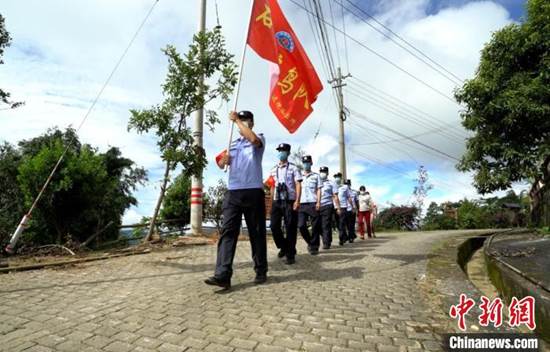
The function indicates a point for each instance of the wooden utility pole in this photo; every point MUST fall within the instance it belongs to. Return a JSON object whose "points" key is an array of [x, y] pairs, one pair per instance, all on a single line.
{"points": [[337, 84]]}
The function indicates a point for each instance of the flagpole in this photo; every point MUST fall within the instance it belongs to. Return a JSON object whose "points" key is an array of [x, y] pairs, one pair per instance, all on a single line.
{"points": [[239, 78]]}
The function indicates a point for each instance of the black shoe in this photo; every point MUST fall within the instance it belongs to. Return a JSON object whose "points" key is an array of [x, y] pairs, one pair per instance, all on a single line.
{"points": [[214, 281], [351, 240], [281, 253], [341, 243], [326, 247], [290, 261], [314, 251], [260, 279]]}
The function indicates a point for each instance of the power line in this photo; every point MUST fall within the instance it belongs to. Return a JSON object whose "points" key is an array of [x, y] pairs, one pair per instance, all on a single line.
{"points": [[399, 114], [414, 146], [460, 80], [363, 117], [345, 39], [419, 80], [413, 109]]}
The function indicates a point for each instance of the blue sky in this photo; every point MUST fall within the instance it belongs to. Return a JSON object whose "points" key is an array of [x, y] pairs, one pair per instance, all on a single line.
{"points": [[63, 51]]}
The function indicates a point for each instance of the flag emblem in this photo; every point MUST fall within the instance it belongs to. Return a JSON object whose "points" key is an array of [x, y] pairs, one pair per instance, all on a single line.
{"points": [[285, 40]]}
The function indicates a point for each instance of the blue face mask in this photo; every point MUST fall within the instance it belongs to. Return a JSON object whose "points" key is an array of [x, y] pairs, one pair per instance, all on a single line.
{"points": [[283, 155], [307, 166], [338, 180]]}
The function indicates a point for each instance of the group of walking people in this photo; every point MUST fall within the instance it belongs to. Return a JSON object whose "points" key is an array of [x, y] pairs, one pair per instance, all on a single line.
{"points": [[302, 200]]}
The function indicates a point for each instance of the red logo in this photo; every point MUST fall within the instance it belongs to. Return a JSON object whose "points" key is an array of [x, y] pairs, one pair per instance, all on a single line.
{"points": [[523, 312], [461, 310]]}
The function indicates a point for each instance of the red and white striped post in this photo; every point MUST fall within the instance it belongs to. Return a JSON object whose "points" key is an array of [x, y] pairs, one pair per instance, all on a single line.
{"points": [[196, 182]]}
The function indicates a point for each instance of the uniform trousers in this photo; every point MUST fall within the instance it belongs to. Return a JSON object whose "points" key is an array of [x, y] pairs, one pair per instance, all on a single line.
{"points": [[326, 224], [282, 211], [251, 204]]}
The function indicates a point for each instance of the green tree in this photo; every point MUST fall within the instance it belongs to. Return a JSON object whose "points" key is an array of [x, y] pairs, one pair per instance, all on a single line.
{"points": [[213, 203], [176, 204], [11, 199], [205, 73], [90, 190], [507, 106], [5, 40], [398, 217], [436, 219], [471, 215]]}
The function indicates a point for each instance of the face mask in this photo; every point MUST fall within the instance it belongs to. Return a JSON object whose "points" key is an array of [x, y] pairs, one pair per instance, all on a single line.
{"points": [[307, 166], [362, 192], [338, 180], [323, 175], [283, 155]]}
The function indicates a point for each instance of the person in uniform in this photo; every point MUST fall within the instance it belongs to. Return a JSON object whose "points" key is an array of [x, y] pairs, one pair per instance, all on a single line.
{"points": [[329, 202], [351, 212], [310, 204], [286, 193], [344, 202], [246, 196]]}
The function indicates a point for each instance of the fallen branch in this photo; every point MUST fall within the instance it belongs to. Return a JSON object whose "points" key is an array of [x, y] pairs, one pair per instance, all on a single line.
{"points": [[68, 262], [90, 239], [57, 246]]}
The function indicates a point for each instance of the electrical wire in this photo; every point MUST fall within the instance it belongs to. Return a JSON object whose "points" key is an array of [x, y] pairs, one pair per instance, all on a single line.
{"points": [[382, 57]]}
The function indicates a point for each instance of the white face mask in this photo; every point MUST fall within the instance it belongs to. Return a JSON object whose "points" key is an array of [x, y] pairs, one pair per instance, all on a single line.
{"points": [[323, 175]]}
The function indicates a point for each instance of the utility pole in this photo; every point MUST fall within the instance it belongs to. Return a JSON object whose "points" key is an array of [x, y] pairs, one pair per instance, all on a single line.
{"points": [[196, 181], [337, 84]]}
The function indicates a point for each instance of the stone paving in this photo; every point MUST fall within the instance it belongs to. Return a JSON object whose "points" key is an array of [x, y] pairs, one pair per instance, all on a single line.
{"points": [[360, 297]]}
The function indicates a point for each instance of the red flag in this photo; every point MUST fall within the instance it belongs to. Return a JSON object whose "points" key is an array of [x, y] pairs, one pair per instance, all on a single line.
{"points": [[294, 82], [270, 182], [220, 156]]}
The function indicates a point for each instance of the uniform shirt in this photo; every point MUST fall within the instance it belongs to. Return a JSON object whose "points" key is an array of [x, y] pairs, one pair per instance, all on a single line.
{"points": [[310, 184], [328, 190], [245, 169], [365, 202], [343, 196], [353, 196], [288, 174]]}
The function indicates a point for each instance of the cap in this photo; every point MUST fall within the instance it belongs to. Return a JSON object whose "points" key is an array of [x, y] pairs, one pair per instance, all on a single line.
{"points": [[348, 182], [338, 174], [362, 188], [323, 169], [306, 159], [245, 115], [283, 146]]}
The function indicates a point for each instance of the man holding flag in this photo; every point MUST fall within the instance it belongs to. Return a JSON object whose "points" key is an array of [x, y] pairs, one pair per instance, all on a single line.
{"points": [[294, 88]]}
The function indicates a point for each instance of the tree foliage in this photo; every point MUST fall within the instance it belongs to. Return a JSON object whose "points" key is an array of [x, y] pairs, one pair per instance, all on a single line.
{"points": [[508, 106], [5, 40], [89, 191], [184, 94], [482, 213], [213, 203], [175, 205], [398, 217], [206, 72]]}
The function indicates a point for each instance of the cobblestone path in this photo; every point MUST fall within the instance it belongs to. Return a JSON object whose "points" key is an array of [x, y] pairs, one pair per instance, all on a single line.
{"points": [[360, 297]]}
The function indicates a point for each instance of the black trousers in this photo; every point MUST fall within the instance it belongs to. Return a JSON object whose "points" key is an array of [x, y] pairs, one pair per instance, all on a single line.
{"points": [[343, 225], [307, 211], [326, 213], [282, 211], [351, 224], [251, 203]]}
